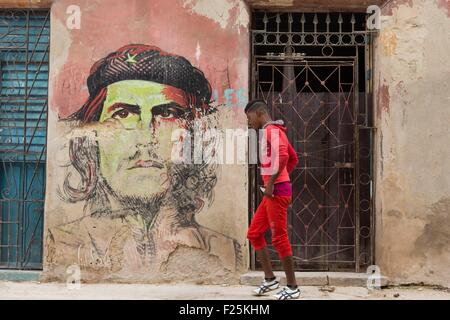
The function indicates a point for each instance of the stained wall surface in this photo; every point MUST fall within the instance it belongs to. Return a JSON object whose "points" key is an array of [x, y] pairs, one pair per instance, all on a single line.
{"points": [[411, 80]]}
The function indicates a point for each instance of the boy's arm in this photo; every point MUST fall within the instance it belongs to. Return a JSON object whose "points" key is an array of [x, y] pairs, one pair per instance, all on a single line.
{"points": [[293, 159], [281, 154], [283, 160]]}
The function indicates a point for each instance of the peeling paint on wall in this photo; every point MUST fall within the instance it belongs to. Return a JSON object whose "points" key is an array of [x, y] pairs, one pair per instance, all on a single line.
{"points": [[222, 12], [384, 98], [436, 233], [395, 4], [388, 42]]}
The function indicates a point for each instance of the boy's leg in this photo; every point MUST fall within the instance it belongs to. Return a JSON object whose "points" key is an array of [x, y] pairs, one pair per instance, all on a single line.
{"points": [[288, 267], [263, 257], [277, 213], [255, 234]]}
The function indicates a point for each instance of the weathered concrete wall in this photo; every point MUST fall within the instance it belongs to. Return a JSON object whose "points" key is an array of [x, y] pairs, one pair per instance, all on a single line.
{"points": [[117, 205], [315, 5], [412, 85]]}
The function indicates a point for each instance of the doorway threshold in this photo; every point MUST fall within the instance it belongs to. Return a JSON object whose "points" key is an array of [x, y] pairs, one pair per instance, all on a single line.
{"points": [[338, 279]]}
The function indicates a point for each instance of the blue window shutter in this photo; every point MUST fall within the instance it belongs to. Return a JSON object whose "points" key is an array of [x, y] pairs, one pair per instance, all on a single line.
{"points": [[24, 55]]}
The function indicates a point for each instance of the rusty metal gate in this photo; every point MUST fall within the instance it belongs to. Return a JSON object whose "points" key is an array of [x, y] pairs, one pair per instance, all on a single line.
{"points": [[313, 70], [24, 55]]}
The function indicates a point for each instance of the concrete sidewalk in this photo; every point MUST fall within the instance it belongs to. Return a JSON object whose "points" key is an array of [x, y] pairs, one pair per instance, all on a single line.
{"points": [[45, 291]]}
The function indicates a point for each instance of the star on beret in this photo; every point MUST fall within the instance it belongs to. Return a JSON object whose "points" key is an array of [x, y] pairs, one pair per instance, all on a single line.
{"points": [[131, 58]]}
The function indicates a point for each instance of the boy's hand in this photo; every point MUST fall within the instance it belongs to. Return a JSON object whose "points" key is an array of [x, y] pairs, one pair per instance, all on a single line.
{"points": [[269, 190]]}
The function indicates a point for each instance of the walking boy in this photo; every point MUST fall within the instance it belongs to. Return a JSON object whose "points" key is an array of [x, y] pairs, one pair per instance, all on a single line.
{"points": [[272, 212]]}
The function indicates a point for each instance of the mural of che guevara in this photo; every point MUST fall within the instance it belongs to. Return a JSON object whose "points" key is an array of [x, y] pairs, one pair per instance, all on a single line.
{"points": [[139, 206]]}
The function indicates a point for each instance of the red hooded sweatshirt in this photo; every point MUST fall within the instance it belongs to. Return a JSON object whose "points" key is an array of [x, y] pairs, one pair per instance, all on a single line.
{"points": [[274, 132]]}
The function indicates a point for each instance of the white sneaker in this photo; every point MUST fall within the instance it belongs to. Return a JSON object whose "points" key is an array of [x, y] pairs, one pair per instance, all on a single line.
{"points": [[286, 294], [265, 287]]}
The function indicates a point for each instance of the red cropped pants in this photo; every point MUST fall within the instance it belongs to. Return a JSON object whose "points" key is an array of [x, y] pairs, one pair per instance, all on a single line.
{"points": [[271, 213]]}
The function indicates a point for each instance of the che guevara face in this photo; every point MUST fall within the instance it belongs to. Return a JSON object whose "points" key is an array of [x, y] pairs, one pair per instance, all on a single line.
{"points": [[135, 156]]}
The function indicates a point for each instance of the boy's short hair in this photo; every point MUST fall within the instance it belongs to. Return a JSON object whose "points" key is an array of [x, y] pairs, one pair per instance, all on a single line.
{"points": [[256, 104]]}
